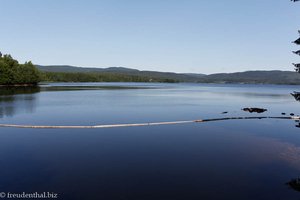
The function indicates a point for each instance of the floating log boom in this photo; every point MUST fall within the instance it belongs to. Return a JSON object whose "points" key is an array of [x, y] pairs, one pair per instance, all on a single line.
{"points": [[142, 124]]}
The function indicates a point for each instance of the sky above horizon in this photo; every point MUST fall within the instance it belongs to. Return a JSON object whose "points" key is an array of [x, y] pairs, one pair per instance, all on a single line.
{"points": [[193, 36]]}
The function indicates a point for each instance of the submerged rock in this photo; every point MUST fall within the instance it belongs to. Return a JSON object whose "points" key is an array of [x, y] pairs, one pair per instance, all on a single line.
{"points": [[256, 110]]}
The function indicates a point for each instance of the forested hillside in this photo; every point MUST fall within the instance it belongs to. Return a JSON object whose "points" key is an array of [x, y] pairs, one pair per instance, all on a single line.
{"points": [[99, 77], [124, 72], [117, 74]]}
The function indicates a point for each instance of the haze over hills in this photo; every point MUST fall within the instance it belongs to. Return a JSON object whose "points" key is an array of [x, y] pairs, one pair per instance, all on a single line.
{"points": [[253, 77]]}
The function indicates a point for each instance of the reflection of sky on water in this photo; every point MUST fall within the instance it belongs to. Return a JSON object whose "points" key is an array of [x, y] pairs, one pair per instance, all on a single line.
{"points": [[99, 103], [219, 160], [270, 150], [234, 159], [262, 142]]}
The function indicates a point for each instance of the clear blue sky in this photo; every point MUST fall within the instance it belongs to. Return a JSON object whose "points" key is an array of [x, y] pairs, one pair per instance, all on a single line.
{"points": [[167, 35]]}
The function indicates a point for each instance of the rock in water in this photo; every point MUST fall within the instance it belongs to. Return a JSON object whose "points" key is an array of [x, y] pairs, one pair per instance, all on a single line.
{"points": [[256, 110]]}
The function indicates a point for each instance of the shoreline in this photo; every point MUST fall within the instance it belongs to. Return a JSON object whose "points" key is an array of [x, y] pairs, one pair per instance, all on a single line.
{"points": [[216, 83], [20, 85]]}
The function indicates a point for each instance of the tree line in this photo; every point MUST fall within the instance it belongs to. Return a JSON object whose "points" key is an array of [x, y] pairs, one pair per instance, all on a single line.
{"points": [[14, 73], [98, 77]]}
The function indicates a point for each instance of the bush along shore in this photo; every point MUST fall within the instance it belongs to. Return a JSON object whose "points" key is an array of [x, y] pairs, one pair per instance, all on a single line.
{"points": [[12, 73]]}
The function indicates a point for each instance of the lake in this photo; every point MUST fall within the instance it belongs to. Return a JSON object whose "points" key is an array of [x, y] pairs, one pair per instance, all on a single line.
{"points": [[233, 159]]}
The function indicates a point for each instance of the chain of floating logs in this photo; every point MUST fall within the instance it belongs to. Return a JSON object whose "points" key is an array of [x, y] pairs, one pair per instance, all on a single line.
{"points": [[142, 124]]}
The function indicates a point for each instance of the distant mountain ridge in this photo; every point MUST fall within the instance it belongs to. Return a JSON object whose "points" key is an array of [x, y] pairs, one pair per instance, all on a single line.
{"points": [[255, 77], [69, 68], [252, 77], [121, 70]]}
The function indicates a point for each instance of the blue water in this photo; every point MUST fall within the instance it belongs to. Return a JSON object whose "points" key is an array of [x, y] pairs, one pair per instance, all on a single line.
{"points": [[239, 159]]}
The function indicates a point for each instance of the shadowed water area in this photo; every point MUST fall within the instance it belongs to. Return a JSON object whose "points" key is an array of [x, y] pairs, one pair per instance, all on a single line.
{"points": [[233, 159]]}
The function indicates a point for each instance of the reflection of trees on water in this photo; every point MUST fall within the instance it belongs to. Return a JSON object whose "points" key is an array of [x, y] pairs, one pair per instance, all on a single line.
{"points": [[294, 184], [5, 91], [297, 124], [17, 99], [296, 95]]}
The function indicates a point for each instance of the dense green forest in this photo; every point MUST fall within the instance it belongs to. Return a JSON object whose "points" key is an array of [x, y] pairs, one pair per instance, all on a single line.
{"points": [[13, 73], [145, 75], [60, 73], [98, 77]]}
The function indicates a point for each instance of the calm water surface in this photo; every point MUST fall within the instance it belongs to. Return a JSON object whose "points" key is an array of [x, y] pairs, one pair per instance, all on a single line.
{"points": [[239, 159]]}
